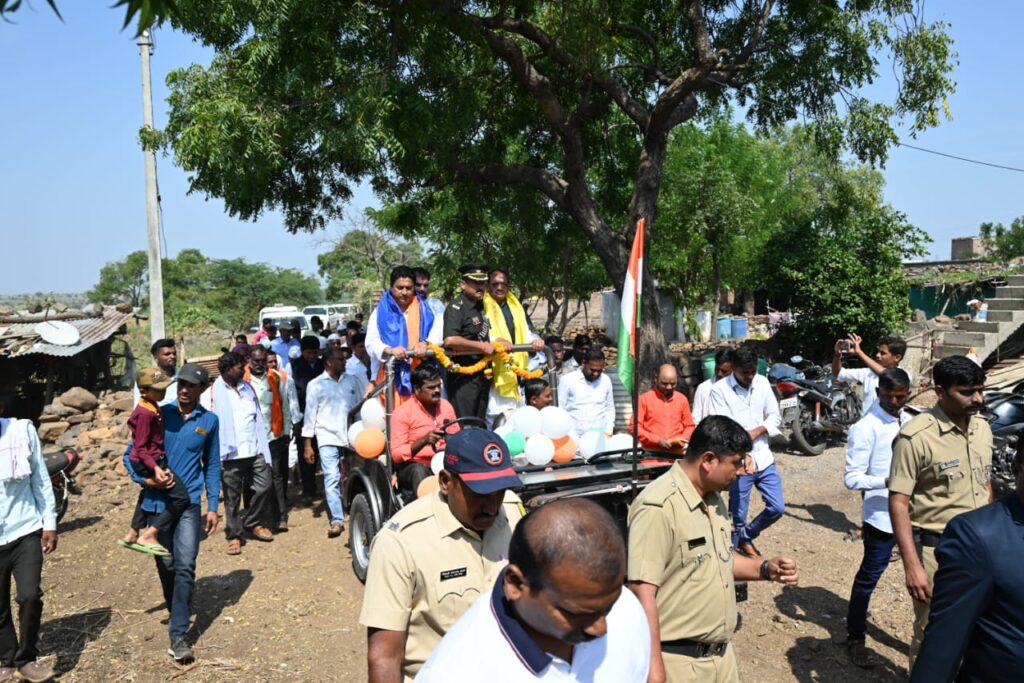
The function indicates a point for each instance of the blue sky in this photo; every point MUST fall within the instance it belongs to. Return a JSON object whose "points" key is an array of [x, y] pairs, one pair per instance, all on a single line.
{"points": [[71, 171]]}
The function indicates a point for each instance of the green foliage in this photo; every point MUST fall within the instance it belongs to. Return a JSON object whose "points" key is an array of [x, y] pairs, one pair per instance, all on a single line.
{"points": [[359, 263], [200, 292], [1004, 243], [126, 281], [838, 267], [149, 11]]}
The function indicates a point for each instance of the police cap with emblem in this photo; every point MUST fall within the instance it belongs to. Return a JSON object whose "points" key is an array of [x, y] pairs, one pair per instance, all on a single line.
{"points": [[477, 272], [480, 458]]}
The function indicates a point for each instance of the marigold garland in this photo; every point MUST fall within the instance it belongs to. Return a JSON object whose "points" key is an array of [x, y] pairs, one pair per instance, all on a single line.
{"points": [[500, 353]]}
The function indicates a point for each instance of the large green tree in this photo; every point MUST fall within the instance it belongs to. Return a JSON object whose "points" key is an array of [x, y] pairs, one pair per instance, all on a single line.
{"points": [[126, 281], [573, 100]]}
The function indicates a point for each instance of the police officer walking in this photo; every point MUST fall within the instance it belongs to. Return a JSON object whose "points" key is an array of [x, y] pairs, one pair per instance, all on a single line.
{"points": [[466, 331], [682, 565], [941, 465], [439, 554]]}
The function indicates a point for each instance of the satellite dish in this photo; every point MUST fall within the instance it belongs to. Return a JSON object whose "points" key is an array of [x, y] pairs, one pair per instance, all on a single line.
{"points": [[58, 333]]}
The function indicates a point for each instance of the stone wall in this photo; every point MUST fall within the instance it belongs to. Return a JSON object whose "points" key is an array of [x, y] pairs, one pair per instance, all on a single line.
{"points": [[95, 426]]}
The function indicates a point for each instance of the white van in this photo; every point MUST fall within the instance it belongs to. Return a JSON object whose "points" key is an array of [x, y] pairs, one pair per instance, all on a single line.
{"points": [[279, 313]]}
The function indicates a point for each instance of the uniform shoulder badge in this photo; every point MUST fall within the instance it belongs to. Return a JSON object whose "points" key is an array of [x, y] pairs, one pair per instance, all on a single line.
{"points": [[917, 425]]}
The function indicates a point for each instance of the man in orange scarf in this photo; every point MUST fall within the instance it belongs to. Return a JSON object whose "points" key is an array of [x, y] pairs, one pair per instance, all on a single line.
{"points": [[272, 391]]}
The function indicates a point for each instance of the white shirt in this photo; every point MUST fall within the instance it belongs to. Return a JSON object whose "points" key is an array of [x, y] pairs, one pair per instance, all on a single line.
{"points": [[375, 345], [327, 404], [868, 378], [700, 406], [868, 456], [753, 407], [357, 369], [488, 645], [590, 404], [243, 413]]}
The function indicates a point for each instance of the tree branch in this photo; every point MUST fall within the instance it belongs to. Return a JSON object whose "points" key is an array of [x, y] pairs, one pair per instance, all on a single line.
{"points": [[633, 108], [553, 186], [699, 26]]}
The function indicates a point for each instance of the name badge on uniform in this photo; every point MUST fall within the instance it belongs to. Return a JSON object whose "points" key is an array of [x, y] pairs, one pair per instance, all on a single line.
{"points": [[200, 430], [696, 543], [949, 463], [453, 573]]}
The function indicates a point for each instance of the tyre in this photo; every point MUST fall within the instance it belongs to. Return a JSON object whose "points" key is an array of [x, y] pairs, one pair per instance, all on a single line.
{"points": [[360, 534], [808, 441]]}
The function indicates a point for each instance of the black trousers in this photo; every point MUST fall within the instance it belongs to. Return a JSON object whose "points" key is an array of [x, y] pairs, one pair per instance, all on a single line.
{"points": [[410, 474], [279, 475], [177, 501], [237, 476], [307, 470], [468, 394], [22, 559]]}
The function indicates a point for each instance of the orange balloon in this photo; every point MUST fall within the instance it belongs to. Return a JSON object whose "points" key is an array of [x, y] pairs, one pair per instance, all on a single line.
{"points": [[565, 448], [370, 442], [427, 486]]}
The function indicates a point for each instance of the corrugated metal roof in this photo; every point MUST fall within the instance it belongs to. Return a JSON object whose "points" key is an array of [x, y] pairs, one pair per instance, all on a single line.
{"points": [[91, 330]]}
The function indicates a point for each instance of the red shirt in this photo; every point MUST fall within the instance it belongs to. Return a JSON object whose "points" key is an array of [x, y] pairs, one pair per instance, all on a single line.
{"points": [[147, 425], [411, 421], [663, 419]]}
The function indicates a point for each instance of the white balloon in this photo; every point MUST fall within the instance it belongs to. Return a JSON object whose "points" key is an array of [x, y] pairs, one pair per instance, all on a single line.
{"points": [[592, 443], [354, 430], [437, 462], [504, 429], [555, 422], [539, 449], [527, 421], [372, 413], [620, 442]]}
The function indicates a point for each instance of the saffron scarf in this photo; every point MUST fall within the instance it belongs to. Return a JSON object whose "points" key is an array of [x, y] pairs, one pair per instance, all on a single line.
{"points": [[276, 412], [505, 381], [397, 330]]}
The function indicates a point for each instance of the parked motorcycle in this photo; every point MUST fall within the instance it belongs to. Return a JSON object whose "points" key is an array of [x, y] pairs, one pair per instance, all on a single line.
{"points": [[59, 466], [1005, 414], [816, 408]]}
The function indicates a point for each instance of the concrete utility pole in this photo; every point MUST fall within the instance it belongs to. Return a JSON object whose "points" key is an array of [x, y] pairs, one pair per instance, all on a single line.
{"points": [[156, 280]]}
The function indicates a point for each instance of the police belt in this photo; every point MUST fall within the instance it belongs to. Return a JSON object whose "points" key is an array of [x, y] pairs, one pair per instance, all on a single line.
{"points": [[693, 648], [928, 539]]}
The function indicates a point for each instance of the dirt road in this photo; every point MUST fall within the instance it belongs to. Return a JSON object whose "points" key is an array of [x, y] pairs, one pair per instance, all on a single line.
{"points": [[287, 610]]}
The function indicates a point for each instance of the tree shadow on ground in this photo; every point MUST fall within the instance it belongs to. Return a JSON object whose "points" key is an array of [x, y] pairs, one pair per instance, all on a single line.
{"points": [[823, 516], [68, 636], [213, 594], [824, 659], [78, 523]]}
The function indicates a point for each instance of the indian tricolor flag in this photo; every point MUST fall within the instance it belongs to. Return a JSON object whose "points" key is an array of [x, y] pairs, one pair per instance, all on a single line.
{"points": [[630, 312]]}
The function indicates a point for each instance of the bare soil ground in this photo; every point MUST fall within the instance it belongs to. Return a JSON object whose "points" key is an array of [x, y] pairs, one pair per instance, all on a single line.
{"points": [[287, 610]]}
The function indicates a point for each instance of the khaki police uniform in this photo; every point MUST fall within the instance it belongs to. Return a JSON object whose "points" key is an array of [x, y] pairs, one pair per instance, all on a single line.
{"points": [[426, 569], [681, 543], [467, 393], [945, 472]]}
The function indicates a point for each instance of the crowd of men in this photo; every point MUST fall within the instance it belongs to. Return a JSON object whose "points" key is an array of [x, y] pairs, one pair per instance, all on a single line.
{"points": [[463, 585]]}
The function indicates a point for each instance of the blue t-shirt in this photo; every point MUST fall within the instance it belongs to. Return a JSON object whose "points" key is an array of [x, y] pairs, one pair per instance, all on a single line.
{"points": [[193, 454]]}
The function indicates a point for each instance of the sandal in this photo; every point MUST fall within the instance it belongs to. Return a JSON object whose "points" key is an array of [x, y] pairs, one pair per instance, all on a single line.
{"points": [[151, 549]]}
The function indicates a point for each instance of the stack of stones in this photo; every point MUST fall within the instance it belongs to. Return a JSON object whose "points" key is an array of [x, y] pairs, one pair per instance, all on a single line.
{"points": [[97, 427]]}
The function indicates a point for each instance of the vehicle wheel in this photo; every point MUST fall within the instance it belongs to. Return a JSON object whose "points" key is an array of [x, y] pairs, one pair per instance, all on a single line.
{"points": [[360, 534], [808, 441]]}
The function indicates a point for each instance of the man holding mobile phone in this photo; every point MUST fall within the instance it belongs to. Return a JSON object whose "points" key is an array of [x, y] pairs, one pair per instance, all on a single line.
{"points": [[889, 353]]}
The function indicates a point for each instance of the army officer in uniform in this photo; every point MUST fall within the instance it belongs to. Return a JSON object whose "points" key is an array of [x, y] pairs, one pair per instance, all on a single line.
{"points": [[439, 554], [681, 561], [466, 331]]}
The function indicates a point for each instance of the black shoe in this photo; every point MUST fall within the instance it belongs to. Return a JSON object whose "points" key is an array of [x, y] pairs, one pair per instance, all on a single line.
{"points": [[181, 651], [307, 501], [859, 654]]}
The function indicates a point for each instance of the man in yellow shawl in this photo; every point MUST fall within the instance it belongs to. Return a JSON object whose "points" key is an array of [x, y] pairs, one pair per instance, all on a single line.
{"points": [[509, 325]]}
